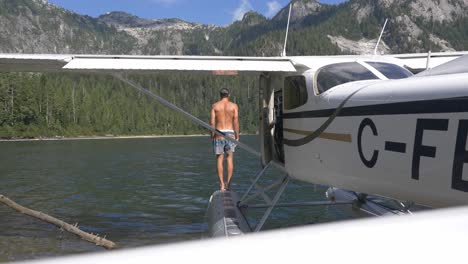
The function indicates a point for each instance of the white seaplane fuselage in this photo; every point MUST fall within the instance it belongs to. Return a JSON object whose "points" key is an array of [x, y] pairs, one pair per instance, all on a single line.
{"points": [[403, 139]]}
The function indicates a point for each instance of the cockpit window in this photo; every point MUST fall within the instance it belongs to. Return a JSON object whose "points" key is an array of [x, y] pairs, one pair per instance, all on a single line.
{"points": [[295, 92], [340, 73], [390, 71]]}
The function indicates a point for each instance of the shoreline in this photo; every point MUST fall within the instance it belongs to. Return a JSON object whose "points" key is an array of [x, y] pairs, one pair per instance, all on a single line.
{"points": [[103, 137], [97, 138]]}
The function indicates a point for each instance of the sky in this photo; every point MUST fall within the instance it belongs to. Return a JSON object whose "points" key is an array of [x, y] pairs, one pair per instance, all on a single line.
{"points": [[218, 12]]}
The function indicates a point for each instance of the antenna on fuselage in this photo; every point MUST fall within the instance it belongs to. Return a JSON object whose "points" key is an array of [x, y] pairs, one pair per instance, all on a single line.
{"points": [[380, 37], [429, 53], [283, 54]]}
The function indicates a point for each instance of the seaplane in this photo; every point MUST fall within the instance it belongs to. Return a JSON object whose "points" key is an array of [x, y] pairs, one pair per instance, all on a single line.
{"points": [[390, 126]]}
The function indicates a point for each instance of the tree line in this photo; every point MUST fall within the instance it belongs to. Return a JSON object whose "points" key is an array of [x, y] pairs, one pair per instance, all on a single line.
{"points": [[49, 105]]}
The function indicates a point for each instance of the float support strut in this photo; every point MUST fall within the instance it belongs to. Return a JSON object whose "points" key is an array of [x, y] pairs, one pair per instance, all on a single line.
{"points": [[259, 175], [272, 205]]}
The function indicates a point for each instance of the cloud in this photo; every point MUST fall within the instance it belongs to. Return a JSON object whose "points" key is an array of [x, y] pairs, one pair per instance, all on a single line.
{"points": [[273, 8], [243, 8]]}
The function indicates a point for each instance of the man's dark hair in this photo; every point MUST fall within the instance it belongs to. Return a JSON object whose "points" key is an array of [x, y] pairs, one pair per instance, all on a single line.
{"points": [[224, 92]]}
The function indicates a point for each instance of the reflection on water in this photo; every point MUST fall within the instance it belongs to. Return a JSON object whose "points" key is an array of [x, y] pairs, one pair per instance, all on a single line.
{"points": [[135, 191]]}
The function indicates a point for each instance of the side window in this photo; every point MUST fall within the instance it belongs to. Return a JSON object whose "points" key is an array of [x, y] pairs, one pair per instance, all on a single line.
{"points": [[295, 92], [340, 73]]}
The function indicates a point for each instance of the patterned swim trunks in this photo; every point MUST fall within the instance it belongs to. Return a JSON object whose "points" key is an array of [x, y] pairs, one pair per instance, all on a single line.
{"points": [[223, 146]]}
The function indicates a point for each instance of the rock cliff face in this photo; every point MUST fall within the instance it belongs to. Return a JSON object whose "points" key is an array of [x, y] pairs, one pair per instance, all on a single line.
{"points": [[124, 20], [36, 26], [301, 9], [428, 10], [155, 36]]}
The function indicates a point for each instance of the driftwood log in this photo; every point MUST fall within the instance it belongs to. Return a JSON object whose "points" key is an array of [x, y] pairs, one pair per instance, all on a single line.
{"points": [[99, 241]]}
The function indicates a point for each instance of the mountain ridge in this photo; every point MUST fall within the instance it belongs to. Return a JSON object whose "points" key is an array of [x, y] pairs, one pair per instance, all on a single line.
{"points": [[37, 26]]}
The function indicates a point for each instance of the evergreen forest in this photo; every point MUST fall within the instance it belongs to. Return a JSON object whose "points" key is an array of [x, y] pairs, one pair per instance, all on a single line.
{"points": [[71, 105]]}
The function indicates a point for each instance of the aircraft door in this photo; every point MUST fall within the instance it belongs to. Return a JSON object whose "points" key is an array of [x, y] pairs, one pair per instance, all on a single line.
{"points": [[278, 130], [271, 121], [266, 118]]}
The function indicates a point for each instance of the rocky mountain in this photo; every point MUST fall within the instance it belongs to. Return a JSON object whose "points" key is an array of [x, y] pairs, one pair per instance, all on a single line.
{"points": [[123, 20], [36, 26], [162, 36], [415, 24], [300, 10]]}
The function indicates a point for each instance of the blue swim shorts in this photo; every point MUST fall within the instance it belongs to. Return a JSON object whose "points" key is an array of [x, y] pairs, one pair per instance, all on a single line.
{"points": [[224, 146]]}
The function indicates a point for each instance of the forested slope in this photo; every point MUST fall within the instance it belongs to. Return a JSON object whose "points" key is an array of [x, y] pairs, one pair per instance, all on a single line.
{"points": [[50, 105]]}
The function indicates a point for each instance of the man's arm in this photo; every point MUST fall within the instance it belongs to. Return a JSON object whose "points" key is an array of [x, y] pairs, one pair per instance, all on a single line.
{"points": [[212, 122], [236, 122]]}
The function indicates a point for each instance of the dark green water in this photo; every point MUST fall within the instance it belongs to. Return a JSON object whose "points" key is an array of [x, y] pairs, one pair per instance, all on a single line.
{"points": [[136, 191]]}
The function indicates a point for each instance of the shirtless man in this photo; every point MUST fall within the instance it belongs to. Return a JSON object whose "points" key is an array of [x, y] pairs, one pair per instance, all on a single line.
{"points": [[225, 118]]}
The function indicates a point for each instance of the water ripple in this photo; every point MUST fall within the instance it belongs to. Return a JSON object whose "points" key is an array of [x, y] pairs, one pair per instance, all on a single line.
{"points": [[137, 192]]}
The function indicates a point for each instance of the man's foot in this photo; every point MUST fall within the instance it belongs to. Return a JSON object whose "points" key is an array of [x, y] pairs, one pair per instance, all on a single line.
{"points": [[228, 186], [222, 187]]}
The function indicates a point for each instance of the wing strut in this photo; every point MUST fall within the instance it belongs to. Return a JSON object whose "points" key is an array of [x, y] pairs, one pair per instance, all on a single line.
{"points": [[283, 54], [380, 37], [185, 113]]}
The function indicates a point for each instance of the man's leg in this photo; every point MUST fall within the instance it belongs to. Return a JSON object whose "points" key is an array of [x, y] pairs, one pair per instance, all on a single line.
{"points": [[220, 170], [230, 168]]}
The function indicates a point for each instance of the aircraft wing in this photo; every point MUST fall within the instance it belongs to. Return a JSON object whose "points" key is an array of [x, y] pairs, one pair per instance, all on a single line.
{"points": [[458, 65], [437, 236], [110, 63], [218, 65], [417, 62]]}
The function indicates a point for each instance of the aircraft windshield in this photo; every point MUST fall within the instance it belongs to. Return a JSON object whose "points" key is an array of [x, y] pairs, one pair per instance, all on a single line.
{"points": [[340, 73], [391, 71]]}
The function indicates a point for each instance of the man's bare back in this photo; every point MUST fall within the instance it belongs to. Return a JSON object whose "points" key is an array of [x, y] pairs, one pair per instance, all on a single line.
{"points": [[225, 118]]}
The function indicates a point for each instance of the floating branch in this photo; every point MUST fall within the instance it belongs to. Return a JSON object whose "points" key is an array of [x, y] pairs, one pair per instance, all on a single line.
{"points": [[99, 241]]}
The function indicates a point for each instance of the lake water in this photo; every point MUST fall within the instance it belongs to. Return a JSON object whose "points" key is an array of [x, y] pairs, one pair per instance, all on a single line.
{"points": [[136, 191]]}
